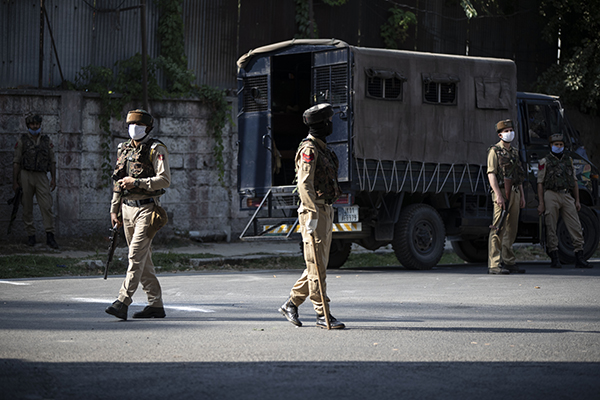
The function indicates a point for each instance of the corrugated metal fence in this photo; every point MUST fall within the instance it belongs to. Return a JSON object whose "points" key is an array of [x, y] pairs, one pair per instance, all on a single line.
{"points": [[101, 32]]}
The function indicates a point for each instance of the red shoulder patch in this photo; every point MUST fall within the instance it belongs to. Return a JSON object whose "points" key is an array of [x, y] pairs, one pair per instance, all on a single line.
{"points": [[541, 167], [308, 157], [16, 145]]}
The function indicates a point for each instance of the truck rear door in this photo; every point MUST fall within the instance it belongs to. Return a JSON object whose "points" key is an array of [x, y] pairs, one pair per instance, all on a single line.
{"points": [[331, 84], [254, 124]]}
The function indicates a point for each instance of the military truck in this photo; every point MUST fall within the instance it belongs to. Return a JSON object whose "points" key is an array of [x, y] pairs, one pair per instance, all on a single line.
{"points": [[411, 131]]}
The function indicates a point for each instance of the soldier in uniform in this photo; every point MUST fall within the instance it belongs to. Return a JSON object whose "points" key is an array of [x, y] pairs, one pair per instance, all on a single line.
{"points": [[316, 173], [141, 176], [506, 178], [559, 195], [33, 158]]}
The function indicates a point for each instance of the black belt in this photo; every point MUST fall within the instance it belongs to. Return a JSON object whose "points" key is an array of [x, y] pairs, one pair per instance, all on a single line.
{"points": [[137, 203]]}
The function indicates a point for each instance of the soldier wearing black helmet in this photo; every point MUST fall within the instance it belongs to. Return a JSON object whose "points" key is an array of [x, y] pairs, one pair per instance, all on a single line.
{"points": [[141, 176], [33, 159], [558, 195], [316, 173]]}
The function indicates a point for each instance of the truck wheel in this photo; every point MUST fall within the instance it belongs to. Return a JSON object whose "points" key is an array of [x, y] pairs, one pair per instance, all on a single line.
{"points": [[472, 251], [591, 236], [338, 253], [419, 237]]}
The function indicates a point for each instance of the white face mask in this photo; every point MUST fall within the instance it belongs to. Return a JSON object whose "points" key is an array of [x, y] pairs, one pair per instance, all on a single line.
{"points": [[137, 132], [508, 136]]}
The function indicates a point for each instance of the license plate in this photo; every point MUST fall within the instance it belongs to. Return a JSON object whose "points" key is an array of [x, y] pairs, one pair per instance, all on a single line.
{"points": [[348, 214]]}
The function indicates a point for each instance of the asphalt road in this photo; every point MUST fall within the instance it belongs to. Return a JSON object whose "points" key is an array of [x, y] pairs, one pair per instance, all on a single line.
{"points": [[449, 333]]}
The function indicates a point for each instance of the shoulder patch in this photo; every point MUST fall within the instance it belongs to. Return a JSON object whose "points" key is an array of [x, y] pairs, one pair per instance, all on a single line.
{"points": [[308, 157]]}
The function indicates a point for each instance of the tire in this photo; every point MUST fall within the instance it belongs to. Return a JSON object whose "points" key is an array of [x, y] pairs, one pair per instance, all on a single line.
{"points": [[472, 251], [419, 237], [338, 253], [591, 236]]}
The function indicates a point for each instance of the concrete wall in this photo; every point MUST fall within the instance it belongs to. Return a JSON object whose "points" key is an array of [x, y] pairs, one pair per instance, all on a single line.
{"points": [[196, 200]]}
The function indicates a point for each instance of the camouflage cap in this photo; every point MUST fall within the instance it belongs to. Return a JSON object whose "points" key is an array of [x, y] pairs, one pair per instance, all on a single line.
{"points": [[505, 123], [31, 118], [139, 116], [557, 137]]}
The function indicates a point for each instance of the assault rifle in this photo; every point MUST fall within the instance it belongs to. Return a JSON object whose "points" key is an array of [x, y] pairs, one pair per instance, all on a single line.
{"points": [[114, 235], [15, 201]]}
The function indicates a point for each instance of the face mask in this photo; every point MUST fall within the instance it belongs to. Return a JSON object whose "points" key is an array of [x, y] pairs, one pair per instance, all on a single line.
{"points": [[508, 136], [557, 150], [37, 131], [137, 132]]}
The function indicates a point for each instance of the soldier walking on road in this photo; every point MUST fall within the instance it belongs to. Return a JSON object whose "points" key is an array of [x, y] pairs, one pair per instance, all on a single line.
{"points": [[33, 158], [141, 176], [506, 178], [556, 182], [316, 169]]}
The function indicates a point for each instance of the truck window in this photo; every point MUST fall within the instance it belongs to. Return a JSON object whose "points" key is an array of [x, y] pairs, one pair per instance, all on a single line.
{"points": [[439, 89], [386, 85], [255, 93], [543, 120]]}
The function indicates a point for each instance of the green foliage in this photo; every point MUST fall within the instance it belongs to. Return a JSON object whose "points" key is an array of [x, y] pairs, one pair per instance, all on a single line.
{"points": [[303, 18], [394, 31], [469, 9], [577, 78]]}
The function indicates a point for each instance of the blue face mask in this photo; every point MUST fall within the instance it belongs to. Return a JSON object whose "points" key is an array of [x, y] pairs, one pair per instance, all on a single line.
{"points": [[37, 131], [557, 150]]}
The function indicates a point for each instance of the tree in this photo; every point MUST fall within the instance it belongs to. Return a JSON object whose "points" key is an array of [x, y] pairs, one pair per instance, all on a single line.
{"points": [[576, 76]]}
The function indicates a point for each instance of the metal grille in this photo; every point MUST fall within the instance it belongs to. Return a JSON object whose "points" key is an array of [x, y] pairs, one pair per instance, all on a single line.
{"points": [[255, 94], [331, 83], [439, 93], [389, 89]]}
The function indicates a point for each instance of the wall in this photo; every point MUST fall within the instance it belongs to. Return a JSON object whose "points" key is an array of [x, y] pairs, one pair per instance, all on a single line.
{"points": [[196, 200]]}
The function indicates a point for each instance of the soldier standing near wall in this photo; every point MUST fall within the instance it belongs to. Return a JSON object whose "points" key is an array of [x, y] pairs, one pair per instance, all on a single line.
{"points": [[141, 176], [33, 158], [506, 178], [316, 172], [556, 182]]}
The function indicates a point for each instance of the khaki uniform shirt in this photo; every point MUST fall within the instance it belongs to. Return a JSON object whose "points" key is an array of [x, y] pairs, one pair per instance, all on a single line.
{"points": [[306, 165], [542, 169], [162, 179]]}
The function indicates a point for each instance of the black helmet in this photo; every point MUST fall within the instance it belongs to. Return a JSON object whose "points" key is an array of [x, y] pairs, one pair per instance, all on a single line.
{"points": [[31, 118], [557, 137], [140, 116], [319, 113]]}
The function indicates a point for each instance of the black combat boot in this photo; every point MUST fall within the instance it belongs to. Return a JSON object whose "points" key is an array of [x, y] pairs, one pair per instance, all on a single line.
{"points": [[290, 311], [50, 240], [333, 323], [150, 312], [555, 263], [514, 269], [580, 262], [118, 309], [31, 240], [499, 270]]}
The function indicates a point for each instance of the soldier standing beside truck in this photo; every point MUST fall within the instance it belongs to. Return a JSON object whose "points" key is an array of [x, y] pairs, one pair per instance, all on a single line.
{"points": [[34, 157], [556, 182], [506, 178], [316, 169]]}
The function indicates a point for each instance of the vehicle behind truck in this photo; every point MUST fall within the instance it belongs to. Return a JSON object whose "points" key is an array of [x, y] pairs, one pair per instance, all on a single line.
{"points": [[411, 131]]}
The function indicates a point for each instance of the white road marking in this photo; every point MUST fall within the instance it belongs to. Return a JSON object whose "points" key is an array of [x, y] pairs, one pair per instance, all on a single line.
{"points": [[16, 283], [171, 307]]}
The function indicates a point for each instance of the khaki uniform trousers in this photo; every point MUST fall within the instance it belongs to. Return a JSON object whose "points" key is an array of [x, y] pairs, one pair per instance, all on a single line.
{"points": [[316, 255], [36, 183], [136, 221], [500, 245], [562, 204]]}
